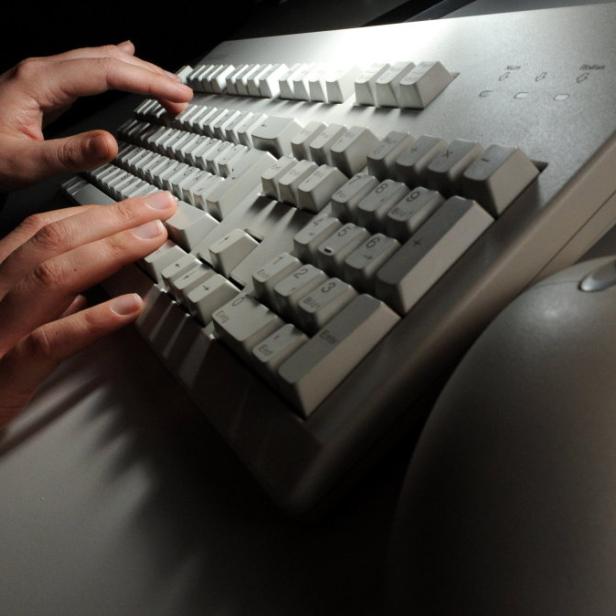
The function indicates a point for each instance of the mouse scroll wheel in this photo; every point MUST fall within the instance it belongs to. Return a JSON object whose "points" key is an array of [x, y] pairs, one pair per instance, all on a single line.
{"points": [[602, 278]]}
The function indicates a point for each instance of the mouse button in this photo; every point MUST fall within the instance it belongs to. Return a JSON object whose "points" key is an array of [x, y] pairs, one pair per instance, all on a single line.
{"points": [[600, 279]]}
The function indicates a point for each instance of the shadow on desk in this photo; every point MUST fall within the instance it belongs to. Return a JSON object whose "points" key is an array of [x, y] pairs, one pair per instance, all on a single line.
{"points": [[122, 500]]}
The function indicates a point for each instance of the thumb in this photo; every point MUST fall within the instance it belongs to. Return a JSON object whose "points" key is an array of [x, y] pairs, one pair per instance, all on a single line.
{"points": [[70, 154]]}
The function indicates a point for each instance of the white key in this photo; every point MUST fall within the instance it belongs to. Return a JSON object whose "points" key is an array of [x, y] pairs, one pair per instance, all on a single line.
{"points": [[198, 193], [411, 164], [211, 126], [289, 183], [316, 231], [187, 183], [498, 177], [322, 303], [310, 374], [273, 350], [350, 151], [303, 138], [345, 199], [244, 128], [226, 162], [331, 254], [372, 209], [218, 83], [430, 252], [274, 134], [244, 322], [387, 86], [178, 268], [340, 84], [252, 83], [198, 155], [209, 81], [285, 82], [271, 176], [320, 146], [233, 79], [423, 84], [219, 126], [314, 192], [209, 295], [180, 286], [288, 291], [157, 261], [213, 153], [316, 85], [189, 225], [268, 82], [362, 264], [267, 277], [242, 82], [244, 179], [231, 249], [230, 124], [383, 155], [299, 83], [365, 89], [444, 171], [410, 213], [193, 121]]}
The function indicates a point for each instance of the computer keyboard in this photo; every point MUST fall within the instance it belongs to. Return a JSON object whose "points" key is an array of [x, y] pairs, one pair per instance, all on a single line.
{"points": [[353, 208]]}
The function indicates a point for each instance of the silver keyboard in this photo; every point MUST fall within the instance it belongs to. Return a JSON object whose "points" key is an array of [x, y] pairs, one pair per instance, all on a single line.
{"points": [[354, 207]]}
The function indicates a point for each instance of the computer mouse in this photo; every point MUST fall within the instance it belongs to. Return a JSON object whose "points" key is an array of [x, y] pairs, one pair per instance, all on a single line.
{"points": [[509, 503]]}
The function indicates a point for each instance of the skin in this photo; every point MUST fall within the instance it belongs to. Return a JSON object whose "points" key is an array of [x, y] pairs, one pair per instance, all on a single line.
{"points": [[51, 258]]}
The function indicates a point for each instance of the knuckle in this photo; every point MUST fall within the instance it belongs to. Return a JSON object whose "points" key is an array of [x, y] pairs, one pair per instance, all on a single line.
{"points": [[126, 211], [118, 248], [51, 237], [33, 223], [48, 274], [28, 68], [69, 154], [38, 345]]}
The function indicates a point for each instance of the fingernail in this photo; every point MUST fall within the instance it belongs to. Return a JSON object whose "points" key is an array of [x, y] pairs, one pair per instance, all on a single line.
{"points": [[160, 200], [173, 76], [149, 230], [126, 304], [96, 148], [126, 43]]}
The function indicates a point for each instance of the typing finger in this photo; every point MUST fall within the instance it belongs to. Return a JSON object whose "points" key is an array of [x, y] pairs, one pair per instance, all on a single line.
{"points": [[31, 225], [34, 357], [71, 79], [46, 292], [67, 233]]}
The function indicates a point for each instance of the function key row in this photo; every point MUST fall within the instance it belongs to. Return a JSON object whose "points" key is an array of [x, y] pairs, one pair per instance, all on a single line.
{"points": [[401, 84]]}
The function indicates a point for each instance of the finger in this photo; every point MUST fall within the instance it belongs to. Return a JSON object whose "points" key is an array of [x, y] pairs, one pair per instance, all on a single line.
{"points": [[85, 151], [46, 292], [24, 368], [67, 233], [31, 225], [71, 79]]}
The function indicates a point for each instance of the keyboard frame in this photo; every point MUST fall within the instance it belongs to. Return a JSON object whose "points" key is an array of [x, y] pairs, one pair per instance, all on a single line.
{"points": [[303, 463]]}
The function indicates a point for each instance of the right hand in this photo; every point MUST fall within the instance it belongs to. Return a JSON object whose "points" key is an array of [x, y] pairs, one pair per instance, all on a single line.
{"points": [[44, 266]]}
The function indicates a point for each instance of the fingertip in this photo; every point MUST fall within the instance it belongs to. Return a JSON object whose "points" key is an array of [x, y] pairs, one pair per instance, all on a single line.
{"points": [[128, 47], [126, 306], [101, 146]]}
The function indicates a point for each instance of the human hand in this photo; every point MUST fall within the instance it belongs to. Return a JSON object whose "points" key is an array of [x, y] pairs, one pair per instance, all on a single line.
{"points": [[37, 90], [45, 264]]}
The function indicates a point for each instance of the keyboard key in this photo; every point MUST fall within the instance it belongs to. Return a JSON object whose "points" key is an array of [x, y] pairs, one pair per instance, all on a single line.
{"points": [[320, 146], [372, 209], [244, 322], [315, 191], [331, 253], [345, 199], [178, 268], [365, 89], [310, 374], [383, 155], [273, 350], [267, 277], [321, 304], [157, 261], [498, 177], [444, 171], [189, 225], [350, 151], [423, 84], [271, 176], [387, 86], [411, 164], [210, 295], [274, 134], [430, 252], [410, 213], [289, 183], [231, 249], [268, 81], [340, 84], [302, 139], [316, 231], [362, 264], [180, 286], [285, 83], [288, 291]]}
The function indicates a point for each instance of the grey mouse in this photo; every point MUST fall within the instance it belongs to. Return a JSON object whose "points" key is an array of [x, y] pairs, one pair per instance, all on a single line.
{"points": [[509, 504]]}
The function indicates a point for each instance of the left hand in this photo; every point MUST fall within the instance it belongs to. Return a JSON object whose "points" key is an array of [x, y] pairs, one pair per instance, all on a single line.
{"points": [[37, 90]]}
